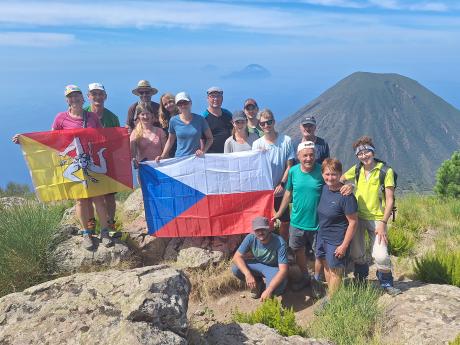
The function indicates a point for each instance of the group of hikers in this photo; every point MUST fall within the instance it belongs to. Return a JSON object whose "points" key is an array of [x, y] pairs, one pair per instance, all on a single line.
{"points": [[332, 210]]}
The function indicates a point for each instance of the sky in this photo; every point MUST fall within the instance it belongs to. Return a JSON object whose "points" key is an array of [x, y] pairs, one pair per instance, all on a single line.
{"points": [[306, 45]]}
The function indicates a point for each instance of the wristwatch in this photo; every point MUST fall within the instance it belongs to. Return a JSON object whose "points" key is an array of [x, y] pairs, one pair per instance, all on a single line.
{"points": [[282, 184]]}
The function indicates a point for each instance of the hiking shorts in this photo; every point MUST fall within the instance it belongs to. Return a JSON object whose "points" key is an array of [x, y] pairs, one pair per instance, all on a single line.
{"points": [[326, 251], [299, 238]]}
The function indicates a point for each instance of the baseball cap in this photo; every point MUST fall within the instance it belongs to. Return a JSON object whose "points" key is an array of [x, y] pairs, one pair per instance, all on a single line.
{"points": [[71, 88], [305, 145], [260, 223], [182, 96], [238, 115], [214, 89], [96, 86], [309, 120]]}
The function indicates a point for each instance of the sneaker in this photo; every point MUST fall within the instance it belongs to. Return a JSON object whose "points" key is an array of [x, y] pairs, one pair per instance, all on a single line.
{"points": [[300, 284], [87, 241], [392, 291], [257, 291], [322, 306], [317, 288], [106, 239]]}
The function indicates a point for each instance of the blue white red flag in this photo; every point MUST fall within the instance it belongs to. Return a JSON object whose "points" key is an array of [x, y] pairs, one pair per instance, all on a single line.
{"points": [[214, 195]]}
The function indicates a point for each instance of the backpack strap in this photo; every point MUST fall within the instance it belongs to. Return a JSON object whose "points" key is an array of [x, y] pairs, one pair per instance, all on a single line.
{"points": [[85, 119], [357, 171]]}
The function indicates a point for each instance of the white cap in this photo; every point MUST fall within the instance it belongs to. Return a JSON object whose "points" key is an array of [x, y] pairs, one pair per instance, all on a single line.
{"points": [[182, 96], [215, 89], [305, 145], [96, 86]]}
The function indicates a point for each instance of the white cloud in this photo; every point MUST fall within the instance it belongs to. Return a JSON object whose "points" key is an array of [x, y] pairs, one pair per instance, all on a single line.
{"points": [[35, 39]]}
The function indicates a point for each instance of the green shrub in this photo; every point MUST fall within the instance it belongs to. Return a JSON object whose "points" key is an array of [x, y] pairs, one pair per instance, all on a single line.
{"points": [[400, 243], [25, 234], [351, 316], [16, 189], [448, 177], [274, 315], [456, 341], [440, 266]]}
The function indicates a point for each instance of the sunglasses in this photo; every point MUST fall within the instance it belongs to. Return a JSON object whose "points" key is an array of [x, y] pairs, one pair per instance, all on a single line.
{"points": [[363, 153], [182, 103], [250, 107], [240, 122], [142, 93], [266, 123]]}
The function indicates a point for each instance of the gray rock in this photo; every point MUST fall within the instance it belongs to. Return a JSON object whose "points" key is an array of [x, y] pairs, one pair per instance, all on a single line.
{"points": [[197, 252], [150, 248], [132, 207], [194, 257], [68, 254], [70, 217], [258, 334], [141, 306], [422, 314], [14, 201]]}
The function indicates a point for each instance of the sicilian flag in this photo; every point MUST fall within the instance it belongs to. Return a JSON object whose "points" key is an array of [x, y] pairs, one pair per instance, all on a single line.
{"points": [[213, 195], [78, 163]]}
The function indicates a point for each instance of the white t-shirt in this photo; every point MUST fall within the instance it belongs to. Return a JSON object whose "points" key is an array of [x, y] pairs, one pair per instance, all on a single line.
{"points": [[278, 153]]}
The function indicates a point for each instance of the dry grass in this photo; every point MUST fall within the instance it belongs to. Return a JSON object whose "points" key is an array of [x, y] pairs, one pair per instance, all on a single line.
{"points": [[212, 282]]}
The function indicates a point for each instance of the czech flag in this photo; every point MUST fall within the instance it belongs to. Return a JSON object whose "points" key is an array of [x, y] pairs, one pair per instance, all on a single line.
{"points": [[78, 163], [213, 195]]}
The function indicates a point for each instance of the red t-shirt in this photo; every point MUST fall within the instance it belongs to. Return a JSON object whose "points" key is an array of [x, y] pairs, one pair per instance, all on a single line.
{"points": [[65, 121]]}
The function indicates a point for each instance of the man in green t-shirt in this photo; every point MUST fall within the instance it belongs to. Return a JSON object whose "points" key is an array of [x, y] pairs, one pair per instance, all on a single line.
{"points": [[97, 97], [303, 187]]}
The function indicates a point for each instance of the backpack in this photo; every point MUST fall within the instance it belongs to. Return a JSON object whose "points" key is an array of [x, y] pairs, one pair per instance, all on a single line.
{"points": [[382, 175]]}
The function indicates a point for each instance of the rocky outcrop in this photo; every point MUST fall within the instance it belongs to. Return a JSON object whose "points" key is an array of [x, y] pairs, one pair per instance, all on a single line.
{"points": [[68, 254], [14, 201], [242, 333], [140, 306], [422, 314], [150, 248], [132, 207]]}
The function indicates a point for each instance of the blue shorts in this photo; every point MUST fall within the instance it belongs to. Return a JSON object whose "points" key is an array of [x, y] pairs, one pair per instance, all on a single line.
{"points": [[326, 251]]}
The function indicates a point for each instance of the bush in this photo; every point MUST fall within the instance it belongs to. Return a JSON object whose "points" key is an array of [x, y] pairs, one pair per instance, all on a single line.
{"points": [[272, 314], [456, 341], [16, 189], [350, 317], [25, 234], [440, 266], [448, 177], [400, 243]]}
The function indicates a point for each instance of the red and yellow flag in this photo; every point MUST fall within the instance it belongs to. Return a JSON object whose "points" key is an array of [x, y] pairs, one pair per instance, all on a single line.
{"points": [[78, 163]]}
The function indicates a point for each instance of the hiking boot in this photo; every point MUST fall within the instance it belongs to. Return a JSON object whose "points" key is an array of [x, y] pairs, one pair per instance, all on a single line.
{"points": [[106, 240], [87, 241], [300, 284], [257, 291], [317, 288], [112, 225], [322, 306], [392, 291]]}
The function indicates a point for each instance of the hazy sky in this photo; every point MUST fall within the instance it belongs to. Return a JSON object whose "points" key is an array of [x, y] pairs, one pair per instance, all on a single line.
{"points": [[307, 45]]}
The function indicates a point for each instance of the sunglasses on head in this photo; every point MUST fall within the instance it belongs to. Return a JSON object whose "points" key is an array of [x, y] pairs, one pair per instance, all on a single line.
{"points": [[266, 123]]}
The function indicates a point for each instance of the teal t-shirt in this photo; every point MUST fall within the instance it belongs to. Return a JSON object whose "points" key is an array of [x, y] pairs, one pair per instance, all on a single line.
{"points": [[306, 191]]}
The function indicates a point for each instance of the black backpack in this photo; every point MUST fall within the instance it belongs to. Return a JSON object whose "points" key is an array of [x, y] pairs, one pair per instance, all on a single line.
{"points": [[382, 175]]}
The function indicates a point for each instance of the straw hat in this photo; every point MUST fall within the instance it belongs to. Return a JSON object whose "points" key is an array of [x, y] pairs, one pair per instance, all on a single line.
{"points": [[144, 85]]}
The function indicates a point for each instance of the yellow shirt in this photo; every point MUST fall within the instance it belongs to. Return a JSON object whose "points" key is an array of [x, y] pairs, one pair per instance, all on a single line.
{"points": [[367, 191]]}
